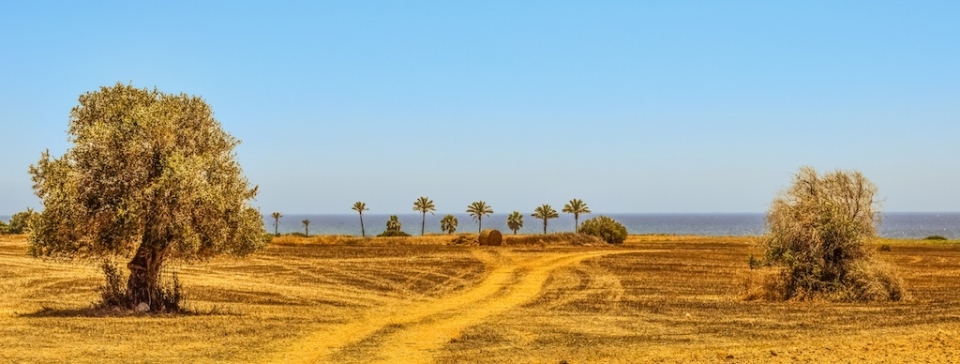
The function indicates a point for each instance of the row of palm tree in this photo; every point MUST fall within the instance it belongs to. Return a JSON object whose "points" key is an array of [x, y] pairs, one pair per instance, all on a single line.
{"points": [[477, 210], [276, 224]]}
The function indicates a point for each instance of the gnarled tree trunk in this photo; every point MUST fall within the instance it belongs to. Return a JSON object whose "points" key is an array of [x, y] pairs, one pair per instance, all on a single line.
{"points": [[143, 285]]}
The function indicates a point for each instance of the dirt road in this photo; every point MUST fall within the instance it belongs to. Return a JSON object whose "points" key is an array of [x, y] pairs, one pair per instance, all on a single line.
{"points": [[409, 332]]}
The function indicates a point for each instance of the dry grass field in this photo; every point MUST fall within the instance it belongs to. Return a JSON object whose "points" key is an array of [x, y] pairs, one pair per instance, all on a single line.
{"points": [[334, 299]]}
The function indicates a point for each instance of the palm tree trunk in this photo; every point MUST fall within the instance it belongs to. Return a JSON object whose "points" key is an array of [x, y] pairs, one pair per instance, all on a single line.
{"points": [[362, 231], [576, 223], [544, 226], [276, 226], [479, 224], [423, 223]]}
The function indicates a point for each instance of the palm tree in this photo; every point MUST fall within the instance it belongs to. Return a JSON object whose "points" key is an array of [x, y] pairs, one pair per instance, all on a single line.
{"points": [[515, 221], [360, 207], [576, 207], [478, 210], [424, 205], [545, 212], [276, 223], [306, 227], [448, 224]]}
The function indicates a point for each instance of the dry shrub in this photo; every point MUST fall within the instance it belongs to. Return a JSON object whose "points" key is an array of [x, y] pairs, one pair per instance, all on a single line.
{"points": [[871, 281], [316, 240], [763, 284], [465, 239], [820, 233], [113, 292]]}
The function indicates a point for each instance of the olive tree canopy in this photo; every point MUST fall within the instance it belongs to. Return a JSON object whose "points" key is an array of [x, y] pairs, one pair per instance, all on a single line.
{"points": [[150, 176]]}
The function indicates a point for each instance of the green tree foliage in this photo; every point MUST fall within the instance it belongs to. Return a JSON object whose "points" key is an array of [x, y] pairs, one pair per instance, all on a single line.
{"points": [[605, 228], [149, 176], [276, 222], [306, 227], [21, 222], [424, 205], [576, 207], [393, 224], [360, 207], [478, 210], [449, 224], [3, 227], [545, 212], [515, 221], [393, 227], [820, 232]]}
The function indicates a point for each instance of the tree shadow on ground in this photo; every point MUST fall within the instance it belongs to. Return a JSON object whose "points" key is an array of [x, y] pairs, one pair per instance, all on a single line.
{"points": [[79, 312], [106, 312]]}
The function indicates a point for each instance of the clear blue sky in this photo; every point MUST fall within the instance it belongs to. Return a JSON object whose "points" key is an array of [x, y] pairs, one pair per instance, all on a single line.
{"points": [[632, 106]]}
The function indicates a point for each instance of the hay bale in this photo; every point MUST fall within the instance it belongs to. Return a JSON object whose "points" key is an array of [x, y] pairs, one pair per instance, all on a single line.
{"points": [[491, 237]]}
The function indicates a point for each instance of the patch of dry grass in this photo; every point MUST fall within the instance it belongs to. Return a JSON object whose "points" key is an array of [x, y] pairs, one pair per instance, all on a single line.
{"points": [[248, 308], [678, 299], [656, 298]]}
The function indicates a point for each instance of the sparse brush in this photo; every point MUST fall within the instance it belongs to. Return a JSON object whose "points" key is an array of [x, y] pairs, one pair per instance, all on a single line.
{"points": [[113, 291], [168, 298], [553, 239], [171, 295], [935, 237], [766, 284], [464, 239]]}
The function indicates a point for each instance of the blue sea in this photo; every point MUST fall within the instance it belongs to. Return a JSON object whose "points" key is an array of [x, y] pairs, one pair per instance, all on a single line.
{"points": [[893, 225]]}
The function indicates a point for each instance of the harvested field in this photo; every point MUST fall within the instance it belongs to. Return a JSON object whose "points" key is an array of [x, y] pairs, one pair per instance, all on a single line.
{"points": [[654, 299]]}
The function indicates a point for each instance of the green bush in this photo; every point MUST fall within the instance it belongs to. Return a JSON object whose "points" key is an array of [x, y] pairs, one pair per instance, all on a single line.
{"points": [[605, 228], [20, 222], [935, 237], [3, 227]]}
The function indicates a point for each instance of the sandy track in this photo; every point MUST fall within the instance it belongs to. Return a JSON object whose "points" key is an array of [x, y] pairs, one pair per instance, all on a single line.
{"points": [[409, 332]]}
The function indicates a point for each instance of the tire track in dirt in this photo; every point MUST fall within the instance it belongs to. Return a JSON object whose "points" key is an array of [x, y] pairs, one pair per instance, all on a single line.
{"points": [[418, 328]]}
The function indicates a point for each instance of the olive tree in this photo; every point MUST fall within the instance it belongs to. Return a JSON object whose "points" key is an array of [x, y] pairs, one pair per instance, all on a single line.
{"points": [[821, 232], [150, 177]]}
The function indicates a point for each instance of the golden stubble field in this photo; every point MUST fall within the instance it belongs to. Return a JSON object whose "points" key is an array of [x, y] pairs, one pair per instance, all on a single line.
{"points": [[654, 299]]}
